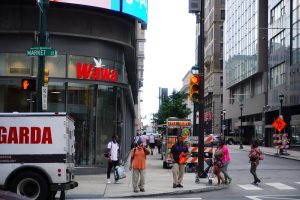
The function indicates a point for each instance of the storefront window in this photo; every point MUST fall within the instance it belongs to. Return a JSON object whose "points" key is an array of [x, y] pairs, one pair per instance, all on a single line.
{"points": [[56, 97], [15, 64], [14, 99], [295, 138]]}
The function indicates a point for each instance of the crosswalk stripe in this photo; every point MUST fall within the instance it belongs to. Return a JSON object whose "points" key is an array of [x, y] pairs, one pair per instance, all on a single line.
{"points": [[280, 186], [249, 187]]}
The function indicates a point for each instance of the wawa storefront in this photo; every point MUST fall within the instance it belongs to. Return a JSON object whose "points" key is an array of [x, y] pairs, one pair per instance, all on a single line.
{"points": [[93, 77]]}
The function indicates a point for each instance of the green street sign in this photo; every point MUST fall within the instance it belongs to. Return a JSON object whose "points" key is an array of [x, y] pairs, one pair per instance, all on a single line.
{"points": [[41, 51]]}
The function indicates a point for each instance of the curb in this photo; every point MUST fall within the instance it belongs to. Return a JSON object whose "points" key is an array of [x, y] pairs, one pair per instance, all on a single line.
{"points": [[206, 189]]}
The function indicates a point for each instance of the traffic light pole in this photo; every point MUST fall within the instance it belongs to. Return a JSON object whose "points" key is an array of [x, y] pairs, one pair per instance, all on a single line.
{"points": [[41, 59], [200, 110]]}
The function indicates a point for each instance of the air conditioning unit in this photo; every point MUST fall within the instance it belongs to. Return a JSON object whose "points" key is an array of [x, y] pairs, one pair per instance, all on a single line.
{"points": [[194, 6]]}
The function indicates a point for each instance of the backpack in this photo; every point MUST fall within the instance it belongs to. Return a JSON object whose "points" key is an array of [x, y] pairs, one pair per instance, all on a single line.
{"points": [[107, 151]]}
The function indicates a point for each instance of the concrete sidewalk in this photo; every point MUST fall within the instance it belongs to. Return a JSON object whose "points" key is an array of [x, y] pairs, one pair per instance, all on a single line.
{"points": [[159, 181], [291, 154]]}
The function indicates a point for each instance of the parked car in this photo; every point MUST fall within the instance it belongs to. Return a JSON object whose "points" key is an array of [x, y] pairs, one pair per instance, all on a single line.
{"points": [[216, 139]]}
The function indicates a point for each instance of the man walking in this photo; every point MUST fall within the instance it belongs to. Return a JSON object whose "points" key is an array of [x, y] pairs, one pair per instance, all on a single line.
{"points": [[178, 150], [113, 157], [151, 142], [138, 164]]}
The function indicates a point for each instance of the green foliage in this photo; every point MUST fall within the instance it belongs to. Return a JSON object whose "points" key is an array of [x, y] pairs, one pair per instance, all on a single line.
{"points": [[172, 106]]}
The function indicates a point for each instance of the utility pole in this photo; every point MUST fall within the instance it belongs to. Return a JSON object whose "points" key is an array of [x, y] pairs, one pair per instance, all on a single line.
{"points": [[42, 43]]}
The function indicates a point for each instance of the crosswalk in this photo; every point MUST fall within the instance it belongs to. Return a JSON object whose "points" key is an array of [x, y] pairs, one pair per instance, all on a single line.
{"points": [[275, 185]]}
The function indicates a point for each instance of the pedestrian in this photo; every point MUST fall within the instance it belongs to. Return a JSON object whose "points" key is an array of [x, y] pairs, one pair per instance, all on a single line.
{"points": [[179, 150], [151, 142], [145, 139], [159, 142], [138, 164], [135, 139], [113, 157], [226, 161], [254, 157], [218, 165]]}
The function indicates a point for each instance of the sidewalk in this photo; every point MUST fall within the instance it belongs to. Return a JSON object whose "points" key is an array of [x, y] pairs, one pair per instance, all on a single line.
{"points": [[159, 182], [292, 154]]}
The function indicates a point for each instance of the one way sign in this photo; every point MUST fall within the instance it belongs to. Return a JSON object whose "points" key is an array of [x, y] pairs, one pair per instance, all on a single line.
{"points": [[279, 124]]}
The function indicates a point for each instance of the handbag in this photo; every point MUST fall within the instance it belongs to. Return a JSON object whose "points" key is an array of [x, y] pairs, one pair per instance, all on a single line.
{"points": [[261, 156], [107, 151], [120, 172]]}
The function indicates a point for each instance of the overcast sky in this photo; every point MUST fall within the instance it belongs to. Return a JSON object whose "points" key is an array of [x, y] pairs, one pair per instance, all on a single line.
{"points": [[169, 50]]}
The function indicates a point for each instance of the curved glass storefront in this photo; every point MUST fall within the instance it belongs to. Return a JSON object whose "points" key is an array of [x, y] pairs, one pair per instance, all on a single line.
{"points": [[94, 96]]}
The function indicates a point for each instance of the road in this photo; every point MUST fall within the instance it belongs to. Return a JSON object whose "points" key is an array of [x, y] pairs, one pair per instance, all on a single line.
{"points": [[280, 180]]}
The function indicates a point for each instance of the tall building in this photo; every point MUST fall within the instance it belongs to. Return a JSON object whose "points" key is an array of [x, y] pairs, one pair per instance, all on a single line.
{"points": [[213, 61], [245, 67], [284, 68], [163, 93], [94, 77]]}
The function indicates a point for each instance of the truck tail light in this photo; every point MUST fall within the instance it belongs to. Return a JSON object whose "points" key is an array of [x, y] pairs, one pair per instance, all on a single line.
{"points": [[58, 172]]}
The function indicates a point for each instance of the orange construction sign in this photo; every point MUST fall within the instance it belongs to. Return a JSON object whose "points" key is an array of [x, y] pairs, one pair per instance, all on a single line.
{"points": [[279, 124]]}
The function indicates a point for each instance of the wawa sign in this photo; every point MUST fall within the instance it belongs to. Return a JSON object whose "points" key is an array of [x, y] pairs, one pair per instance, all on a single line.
{"points": [[96, 71]]}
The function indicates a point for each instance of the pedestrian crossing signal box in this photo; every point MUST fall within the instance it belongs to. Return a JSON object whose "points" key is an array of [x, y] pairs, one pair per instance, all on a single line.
{"points": [[28, 84]]}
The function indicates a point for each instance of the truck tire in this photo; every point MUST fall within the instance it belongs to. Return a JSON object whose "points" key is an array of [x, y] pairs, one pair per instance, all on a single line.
{"points": [[31, 185], [230, 142]]}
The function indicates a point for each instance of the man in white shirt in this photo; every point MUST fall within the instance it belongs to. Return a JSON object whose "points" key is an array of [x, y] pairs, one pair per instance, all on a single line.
{"points": [[152, 142], [113, 158], [145, 140]]}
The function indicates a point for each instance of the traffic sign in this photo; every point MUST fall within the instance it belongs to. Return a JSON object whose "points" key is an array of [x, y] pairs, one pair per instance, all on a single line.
{"points": [[44, 97], [279, 124], [41, 51]]}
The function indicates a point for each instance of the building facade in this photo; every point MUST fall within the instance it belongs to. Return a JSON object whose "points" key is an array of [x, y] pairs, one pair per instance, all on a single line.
{"points": [[261, 65], [213, 61], [245, 67], [94, 77]]}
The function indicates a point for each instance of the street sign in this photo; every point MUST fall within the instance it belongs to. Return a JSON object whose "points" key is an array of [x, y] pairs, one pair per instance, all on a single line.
{"points": [[44, 97], [41, 51], [279, 124]]}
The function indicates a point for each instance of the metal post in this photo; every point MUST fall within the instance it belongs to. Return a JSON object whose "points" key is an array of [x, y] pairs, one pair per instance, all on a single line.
{"points": [[221, 129], [201, 93], [280, 115], [224, 122], [41, 59], [241, 142]]}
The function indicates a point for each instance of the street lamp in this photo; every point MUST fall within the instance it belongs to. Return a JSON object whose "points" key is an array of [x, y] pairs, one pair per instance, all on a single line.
{"points": [[221, 127], [224, 113], [281, 97], [241, 143]]}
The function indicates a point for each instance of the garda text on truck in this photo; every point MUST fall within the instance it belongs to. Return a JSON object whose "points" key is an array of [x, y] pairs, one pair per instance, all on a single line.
{"points": [[37, 151]]}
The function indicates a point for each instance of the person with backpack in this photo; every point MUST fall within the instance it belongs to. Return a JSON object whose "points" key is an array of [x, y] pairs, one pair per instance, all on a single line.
{"points": [[255, 155], [138, 164], [179, 152], [112, 151]]}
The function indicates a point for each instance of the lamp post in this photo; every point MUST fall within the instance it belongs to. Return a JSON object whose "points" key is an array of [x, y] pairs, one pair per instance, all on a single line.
{"points": [[224, 113], [221, 127], [281, 97], [241, 128]]}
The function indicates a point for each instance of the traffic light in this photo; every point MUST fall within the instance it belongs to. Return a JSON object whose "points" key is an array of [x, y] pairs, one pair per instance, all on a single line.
{"points": [[46, 77], [28, 84], [194, 88]]}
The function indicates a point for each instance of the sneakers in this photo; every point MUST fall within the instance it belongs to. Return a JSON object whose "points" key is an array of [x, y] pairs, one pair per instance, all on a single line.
{"points": [[230, 179], [142, 190], [174, 185], [117, 181], [179, 185], [136, 191], [108, 181]]}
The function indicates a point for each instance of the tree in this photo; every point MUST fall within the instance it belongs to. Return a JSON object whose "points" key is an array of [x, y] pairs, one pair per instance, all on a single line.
{"points": [[172, 106]]}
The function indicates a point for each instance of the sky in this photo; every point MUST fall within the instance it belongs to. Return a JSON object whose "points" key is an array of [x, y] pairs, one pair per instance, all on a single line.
{"points": [[169, 50]]}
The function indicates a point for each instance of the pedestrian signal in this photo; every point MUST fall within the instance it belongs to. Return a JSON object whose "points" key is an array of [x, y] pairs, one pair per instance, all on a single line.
{"points": [[194, 88], [28, 84]]}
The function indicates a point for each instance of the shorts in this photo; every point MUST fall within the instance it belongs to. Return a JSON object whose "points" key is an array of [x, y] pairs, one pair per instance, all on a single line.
{"points": [[152, 145]]}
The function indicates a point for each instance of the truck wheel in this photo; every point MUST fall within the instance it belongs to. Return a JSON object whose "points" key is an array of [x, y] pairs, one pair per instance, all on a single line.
{"points": [[31, 185]]}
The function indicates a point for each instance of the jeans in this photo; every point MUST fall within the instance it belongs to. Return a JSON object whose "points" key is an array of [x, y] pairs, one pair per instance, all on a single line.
{"points": [[111, 164], [224, 171], [253, 172]]}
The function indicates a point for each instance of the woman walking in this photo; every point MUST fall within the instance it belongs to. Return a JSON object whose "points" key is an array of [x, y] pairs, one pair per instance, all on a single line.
{"points": [[226, 161], [254, 157]]}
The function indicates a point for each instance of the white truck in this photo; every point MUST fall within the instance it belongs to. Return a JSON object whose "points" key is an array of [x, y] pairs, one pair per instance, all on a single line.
{"points": [[37, 154]]}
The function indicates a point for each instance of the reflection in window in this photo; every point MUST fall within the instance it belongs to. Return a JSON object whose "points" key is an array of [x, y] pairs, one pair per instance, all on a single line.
{"points": [[56, 97], [15, 64], [277, 75]]}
